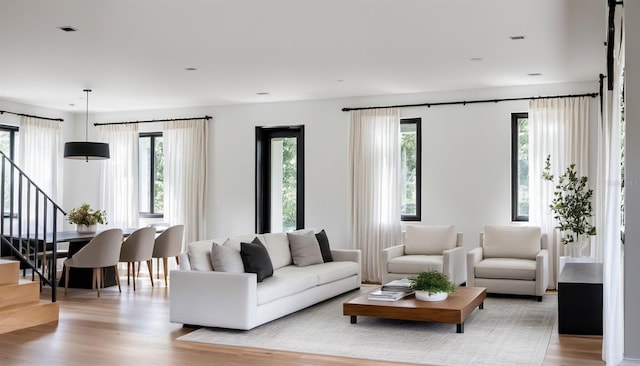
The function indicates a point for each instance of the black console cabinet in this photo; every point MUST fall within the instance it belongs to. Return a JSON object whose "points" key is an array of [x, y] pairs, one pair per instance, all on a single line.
{"points": [[580, 299]]}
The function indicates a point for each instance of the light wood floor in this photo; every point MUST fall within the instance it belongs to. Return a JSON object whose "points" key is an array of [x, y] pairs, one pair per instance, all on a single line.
{"points": [[133, 329]]}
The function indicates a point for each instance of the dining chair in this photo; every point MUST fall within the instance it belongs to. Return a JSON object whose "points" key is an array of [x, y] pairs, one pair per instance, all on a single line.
{"points": [[168, 244], [136, 248], [101, 252]]}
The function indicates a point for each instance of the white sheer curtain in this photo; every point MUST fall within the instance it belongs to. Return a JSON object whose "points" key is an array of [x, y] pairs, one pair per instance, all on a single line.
{"points": [[39, 155], [558, 127], [374, 155], [185, 176], [608, 214], [119, 193]]}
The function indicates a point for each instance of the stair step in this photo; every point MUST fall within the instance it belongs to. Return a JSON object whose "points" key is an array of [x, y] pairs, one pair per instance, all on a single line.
{"points": [[24, 291], [9, 272], [27, 315]]}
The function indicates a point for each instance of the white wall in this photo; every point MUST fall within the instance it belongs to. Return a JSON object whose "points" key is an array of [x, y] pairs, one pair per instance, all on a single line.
{"points": [[466, 157]]}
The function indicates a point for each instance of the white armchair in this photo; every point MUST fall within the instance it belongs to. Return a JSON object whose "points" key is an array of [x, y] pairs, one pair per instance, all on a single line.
{"points": [[510, 260], [426, 247]]}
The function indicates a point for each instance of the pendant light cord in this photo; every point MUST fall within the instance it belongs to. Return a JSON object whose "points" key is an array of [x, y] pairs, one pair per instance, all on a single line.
{"points": [[86, 123]]}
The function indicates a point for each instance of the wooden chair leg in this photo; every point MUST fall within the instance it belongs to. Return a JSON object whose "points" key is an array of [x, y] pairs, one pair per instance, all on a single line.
{"points": [[129, 271], [94, 279], [118, 280], [98, 272], [66, 279], [177, 260], [150, 268], [134, 274], [158, 271], [165, 264]]}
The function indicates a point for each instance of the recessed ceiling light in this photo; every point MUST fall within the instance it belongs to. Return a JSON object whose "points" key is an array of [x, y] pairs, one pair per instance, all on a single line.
{"points": [[516, 38], [67, 28], [340, 80], [262, 93], [534, 74], [71, 105], [475, 59], [190, 69]]}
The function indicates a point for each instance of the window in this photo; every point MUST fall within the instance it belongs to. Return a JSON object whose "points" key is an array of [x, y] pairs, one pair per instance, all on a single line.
{"points": [[520, 166], [151, 175], [410, 168], [279, 179], [8, 145]]}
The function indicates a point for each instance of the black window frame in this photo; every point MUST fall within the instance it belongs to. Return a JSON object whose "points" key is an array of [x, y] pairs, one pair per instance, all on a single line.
{"points": [[514, 167], [152, 174], [263, 175], [418, 122], [12, 154]]}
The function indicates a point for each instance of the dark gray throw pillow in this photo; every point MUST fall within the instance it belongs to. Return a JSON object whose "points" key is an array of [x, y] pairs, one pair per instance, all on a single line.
{"points": [[256, 259], [323, 241]]}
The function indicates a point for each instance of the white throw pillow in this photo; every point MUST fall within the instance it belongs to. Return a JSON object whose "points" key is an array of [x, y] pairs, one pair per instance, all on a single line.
{"points": [[305, 249], [429, 239], [226, 259], [521, 242], [200, 255]]}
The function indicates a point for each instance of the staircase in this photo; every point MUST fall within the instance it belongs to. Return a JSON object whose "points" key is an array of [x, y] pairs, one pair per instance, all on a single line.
{"points": [[20, 304]]}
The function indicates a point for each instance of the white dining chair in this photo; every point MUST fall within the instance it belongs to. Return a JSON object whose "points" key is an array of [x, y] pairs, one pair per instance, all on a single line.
{"points": [[138, 247]]}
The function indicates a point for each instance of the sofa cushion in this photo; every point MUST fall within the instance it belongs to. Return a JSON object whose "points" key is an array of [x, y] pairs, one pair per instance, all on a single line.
{"points": [[325, 249], [511, 241], [415, 264], [429, 239], [277, 245], [226, 259], [256, 259], [200, 255], [284, 282], [506, 268], [332, 271], [305, 249]]}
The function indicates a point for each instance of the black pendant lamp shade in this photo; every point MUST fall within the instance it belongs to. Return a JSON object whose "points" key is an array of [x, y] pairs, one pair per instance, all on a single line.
{"points": [[85, 150]]}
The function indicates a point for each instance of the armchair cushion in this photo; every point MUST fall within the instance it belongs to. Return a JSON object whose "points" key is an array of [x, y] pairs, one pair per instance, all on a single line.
{"points": [[506, 268], [415, 263], [521, 242], [429, 239]]}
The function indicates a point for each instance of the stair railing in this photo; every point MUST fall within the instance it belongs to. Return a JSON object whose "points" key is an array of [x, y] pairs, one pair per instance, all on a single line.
{"points": [[29, 224]]}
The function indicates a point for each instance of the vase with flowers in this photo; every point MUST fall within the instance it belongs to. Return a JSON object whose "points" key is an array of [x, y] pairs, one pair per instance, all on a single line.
{"points": [[86, 219]]}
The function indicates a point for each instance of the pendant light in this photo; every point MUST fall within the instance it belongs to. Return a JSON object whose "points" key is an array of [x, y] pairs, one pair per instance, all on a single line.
{"points": [[85, 150]]}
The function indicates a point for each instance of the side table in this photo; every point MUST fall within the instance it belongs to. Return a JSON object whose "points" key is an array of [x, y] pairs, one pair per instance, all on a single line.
{"points": [[580, 299]]}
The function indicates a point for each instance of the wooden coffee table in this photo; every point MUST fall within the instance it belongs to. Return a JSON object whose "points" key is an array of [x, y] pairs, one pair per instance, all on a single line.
{"points": [[453, 310]]}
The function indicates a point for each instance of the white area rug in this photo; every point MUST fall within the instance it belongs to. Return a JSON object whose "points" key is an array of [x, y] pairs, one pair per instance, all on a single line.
{"points": [[508, 331]]}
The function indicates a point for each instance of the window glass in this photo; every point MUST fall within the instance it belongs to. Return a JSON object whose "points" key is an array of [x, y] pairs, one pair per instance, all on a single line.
{"points": [[151, 175], [520, 166], [410, 156]]}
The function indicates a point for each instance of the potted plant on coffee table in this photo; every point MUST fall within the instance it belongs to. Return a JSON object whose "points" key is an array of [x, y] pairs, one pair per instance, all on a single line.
{"points": [[432, 286]]}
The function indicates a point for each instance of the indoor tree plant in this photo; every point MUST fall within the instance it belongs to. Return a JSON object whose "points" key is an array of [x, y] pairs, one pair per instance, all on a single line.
{"points": [[571, 206], [432, 285], [86, 218]]}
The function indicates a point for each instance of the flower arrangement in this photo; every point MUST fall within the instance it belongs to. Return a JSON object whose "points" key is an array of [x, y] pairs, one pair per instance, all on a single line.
{"points": [[84, 215], [571, 203]]}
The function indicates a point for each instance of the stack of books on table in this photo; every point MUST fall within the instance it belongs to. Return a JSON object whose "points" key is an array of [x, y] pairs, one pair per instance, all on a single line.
{"points": [[403, 285], [381, 295], [392, 291]]}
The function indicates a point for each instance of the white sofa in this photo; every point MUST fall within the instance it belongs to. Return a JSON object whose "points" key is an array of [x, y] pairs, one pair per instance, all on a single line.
{"points": [[510, 260], [202, 296]]}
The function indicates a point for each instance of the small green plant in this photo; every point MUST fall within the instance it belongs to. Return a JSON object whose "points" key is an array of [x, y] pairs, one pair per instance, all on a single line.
{"points": [[432, 282], [571, 203], [84, 215]]}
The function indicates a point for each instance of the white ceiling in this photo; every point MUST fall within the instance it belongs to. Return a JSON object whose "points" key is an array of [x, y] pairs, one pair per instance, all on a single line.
{"points": [[133, 53]]}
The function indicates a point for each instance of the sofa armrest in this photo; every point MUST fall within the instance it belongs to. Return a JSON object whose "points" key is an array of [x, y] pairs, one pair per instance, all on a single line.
{"points": [[454, 264], [349, 255], [216, 299], [474, 256], [387, 255], [542, 272]]}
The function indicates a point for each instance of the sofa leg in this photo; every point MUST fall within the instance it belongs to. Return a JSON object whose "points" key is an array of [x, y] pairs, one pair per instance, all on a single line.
{"points": [[539, 298]]}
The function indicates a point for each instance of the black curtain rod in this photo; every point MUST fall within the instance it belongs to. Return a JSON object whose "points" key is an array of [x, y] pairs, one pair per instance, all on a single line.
{"points": [[152, 120], [592, 95], [28, 115]]}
